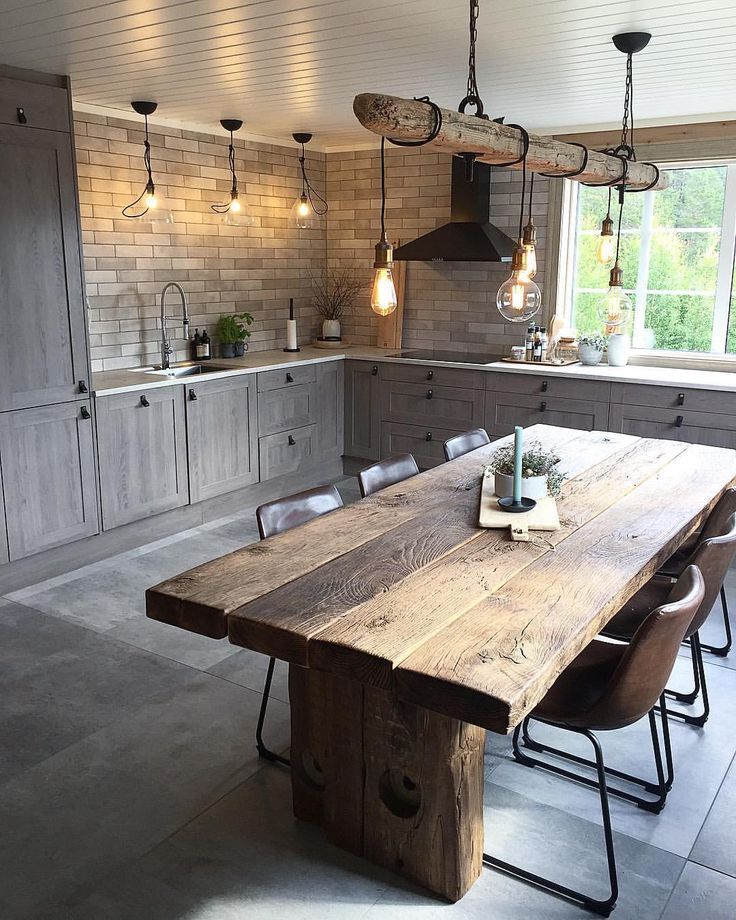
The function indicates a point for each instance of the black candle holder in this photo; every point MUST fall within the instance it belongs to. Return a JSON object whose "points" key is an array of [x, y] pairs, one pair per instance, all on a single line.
{"points": [[524, 504]]}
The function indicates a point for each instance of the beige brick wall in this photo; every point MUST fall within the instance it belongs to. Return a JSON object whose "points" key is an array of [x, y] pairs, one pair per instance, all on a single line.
{"points": [[222, 269], [447, 305]]}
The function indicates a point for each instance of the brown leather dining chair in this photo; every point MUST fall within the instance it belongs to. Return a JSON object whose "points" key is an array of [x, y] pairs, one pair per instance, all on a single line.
{"points": [[713, 554], [608, 686], [463, 443], [674, 566], [386, 473], [273, 518]]}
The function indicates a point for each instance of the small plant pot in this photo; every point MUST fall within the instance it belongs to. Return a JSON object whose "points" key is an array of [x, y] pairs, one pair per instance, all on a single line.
{"points": [[227, 350], [330, 328], [532, 487], [240, 349], [619, 349], [590, 355]]}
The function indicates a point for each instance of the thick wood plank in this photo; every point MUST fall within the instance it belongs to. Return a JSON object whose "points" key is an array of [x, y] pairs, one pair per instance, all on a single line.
{"points": [[374, 638], [202, 598], [499, 659]]}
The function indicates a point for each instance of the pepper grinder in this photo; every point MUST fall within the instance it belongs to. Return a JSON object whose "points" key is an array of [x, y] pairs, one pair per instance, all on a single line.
{"points": [[291, 337]]}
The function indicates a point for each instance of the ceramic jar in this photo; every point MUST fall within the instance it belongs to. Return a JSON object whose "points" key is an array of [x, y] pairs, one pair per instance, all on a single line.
{"points": [[619, 349], [330, 328]]}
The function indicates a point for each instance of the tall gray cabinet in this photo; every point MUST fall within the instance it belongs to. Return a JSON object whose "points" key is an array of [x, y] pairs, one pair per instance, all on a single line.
{"points": [[46, 435]]}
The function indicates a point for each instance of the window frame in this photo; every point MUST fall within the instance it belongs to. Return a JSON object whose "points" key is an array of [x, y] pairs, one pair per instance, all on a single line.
{"points": [[726, 271]]}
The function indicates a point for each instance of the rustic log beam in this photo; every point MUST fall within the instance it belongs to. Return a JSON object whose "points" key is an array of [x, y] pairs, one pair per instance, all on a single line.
{"points": [[410, 120]]}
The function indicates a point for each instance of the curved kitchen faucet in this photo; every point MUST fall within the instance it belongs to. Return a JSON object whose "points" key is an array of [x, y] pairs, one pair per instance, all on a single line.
{"points": [[166, 348]]}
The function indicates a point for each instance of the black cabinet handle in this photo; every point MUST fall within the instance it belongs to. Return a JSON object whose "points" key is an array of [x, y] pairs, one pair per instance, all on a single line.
{"points": [[428, 436], [82, 386], [430, 375], [544, 386], [21, 113], [292, 442], [543, 407], [192, 395], [678, 421], [374, 370], [680, 399], [144, 402], [429, 394], [289, 378], [84, 412]]}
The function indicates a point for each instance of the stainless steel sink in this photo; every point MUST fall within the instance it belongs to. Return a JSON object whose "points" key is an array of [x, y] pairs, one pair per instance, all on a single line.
{"points": [[190, 370]]}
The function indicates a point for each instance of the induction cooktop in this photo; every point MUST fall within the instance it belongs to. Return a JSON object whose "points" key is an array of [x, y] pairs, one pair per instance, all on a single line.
{"points": [[456, 357]]}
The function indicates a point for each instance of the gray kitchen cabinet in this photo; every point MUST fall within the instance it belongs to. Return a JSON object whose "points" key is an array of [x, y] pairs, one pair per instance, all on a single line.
{"points": [[458, 408], [44, 102], [424, 443], [288, 407], [329, 405], [504, 411], [142, 451], [287, 451], [362, 410], [713, 429], [288, 376], [222, 440], [43, 346], [47, 456]]}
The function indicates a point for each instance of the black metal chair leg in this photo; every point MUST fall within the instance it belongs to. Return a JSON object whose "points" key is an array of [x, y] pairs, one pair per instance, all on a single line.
{"points": [[658, 789], [263, 751], [697, 652], [690, 697], [602, 907], [722, 650]]}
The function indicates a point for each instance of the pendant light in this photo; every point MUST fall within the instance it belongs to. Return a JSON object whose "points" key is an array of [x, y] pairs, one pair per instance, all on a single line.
{"points": [[148, 205], [519, 298], [383, 293], [605, 248], [309, 205], [614, 309], [233, 212]]}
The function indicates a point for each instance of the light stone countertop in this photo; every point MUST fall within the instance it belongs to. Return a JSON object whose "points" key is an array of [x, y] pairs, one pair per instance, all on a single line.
{"points": [[106, 383]]}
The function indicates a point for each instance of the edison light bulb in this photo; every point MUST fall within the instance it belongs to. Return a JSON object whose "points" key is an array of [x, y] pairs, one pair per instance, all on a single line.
{"points": [[605, 249], [383, 295], [302, 213], [518, 298], [151, 201], [235, 206], [614, 309]]}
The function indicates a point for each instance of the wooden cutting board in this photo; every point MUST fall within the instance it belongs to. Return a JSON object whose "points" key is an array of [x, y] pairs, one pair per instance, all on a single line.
{"points": [[542, 517]]}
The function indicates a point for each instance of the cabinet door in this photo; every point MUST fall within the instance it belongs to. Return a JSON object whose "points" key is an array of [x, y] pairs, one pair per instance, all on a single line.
{"points": [[362, 411], [142, 449], [504, 411], [710, 428], [291, 407], [222, 436], [286, 452], [329, 399], [47, 457], [425, 444], [43, 352], [427, 404]]}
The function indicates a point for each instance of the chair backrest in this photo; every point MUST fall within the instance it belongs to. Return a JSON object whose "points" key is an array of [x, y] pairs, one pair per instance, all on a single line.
{"points": [[386, 473], [285, 513], [644, 669], [718, 518], [713, 555], [463, 443]]}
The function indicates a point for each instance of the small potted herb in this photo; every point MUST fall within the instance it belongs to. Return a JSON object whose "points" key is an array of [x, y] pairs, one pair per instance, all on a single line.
{"points": [[539, 473], [590, 349], [333, 296], [232, 331]]}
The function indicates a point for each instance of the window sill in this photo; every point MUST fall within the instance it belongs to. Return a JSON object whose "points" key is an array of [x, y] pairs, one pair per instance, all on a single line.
{"points": [[689, 360]]}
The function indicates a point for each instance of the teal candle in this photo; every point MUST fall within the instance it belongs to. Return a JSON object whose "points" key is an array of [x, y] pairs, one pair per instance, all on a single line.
{"points": [[518, 453]]}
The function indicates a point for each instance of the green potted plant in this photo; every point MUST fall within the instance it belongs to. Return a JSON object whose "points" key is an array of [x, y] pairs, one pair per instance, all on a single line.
{"points": [[334, 294], [232, 331], [590, 349], [539, 473]]}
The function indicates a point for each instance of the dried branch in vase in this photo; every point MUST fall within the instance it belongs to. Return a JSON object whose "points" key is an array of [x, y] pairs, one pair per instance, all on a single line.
{"points": [[336, 290]]}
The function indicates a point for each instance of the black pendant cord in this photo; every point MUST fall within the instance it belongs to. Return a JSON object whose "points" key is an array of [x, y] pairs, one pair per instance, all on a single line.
{"points": [[575, 172], [608, 209], [435, 130], [523, 196], [309, 192], [531, 196], [621, 197], [150, 187], [224, 208], [383, 188]]}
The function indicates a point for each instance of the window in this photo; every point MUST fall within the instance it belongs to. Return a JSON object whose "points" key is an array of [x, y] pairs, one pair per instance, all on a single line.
{"points": [[677, 254]]}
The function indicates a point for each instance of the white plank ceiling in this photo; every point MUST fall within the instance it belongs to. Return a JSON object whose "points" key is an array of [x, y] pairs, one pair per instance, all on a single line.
{"points": [[286, 65]]}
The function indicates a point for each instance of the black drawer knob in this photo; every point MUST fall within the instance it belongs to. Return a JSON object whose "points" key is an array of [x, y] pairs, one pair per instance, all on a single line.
{"points": [[543, 407], [144, 402], [544, 386], [289, 378], [82, 386], [21, 114], [680, 399], [192, 395], [428, 436], [84, 412], [429, 394], [292, 442], [430, 375], [374, 370], [678, 421]]}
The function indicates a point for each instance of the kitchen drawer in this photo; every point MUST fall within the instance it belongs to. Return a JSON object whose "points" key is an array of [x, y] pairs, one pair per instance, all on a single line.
{"points": [[549, 385], [285, 377], [679, 398], [424, 443], [286, 452], [438, 376], [284, 409], [43, 106], [504, 411], [680, 424], [449, 407]]}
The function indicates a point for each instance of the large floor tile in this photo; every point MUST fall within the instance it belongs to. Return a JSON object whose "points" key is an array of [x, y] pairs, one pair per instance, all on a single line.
{"points": [[702, 894], [59, 683], [716, 843], [109, 798], [248, 669]]}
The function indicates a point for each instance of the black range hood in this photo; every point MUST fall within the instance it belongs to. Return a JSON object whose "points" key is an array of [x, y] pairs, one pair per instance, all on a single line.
{"points": [[469, 236]]}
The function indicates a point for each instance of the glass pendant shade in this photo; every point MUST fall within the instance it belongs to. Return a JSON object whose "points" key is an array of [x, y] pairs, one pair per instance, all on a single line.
{"points": [[518, 298], [606, 243], [614, 309], [302, 213], [237, 213]]}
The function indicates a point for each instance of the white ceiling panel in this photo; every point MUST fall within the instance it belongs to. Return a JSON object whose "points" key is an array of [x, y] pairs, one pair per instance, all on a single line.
{"points": [[286, 65]]}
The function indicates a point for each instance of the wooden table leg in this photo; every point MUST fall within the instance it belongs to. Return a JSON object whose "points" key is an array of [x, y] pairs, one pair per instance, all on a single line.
{"points": [[399, 784]]}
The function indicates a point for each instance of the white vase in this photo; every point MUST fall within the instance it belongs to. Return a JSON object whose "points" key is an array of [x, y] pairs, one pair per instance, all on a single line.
{"points": [[330, 328], [619, 348], [531, 487], [589, 354]]}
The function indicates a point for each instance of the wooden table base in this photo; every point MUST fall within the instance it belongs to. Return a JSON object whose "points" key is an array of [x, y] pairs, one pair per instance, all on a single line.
{"points": [[388, 780]]}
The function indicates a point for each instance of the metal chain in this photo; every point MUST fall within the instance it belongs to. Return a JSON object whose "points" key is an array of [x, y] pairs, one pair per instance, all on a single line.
{"points": [[472, 82], [627, 123]]}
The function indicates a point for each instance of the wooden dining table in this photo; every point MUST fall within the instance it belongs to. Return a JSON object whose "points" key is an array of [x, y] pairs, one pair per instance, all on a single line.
{"points": [[410, 631]]}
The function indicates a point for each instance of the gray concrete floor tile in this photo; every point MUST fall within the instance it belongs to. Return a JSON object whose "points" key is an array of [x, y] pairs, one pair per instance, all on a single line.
{"points": [[249, 668], [169, 642], [702, 894], [716, 843]]}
